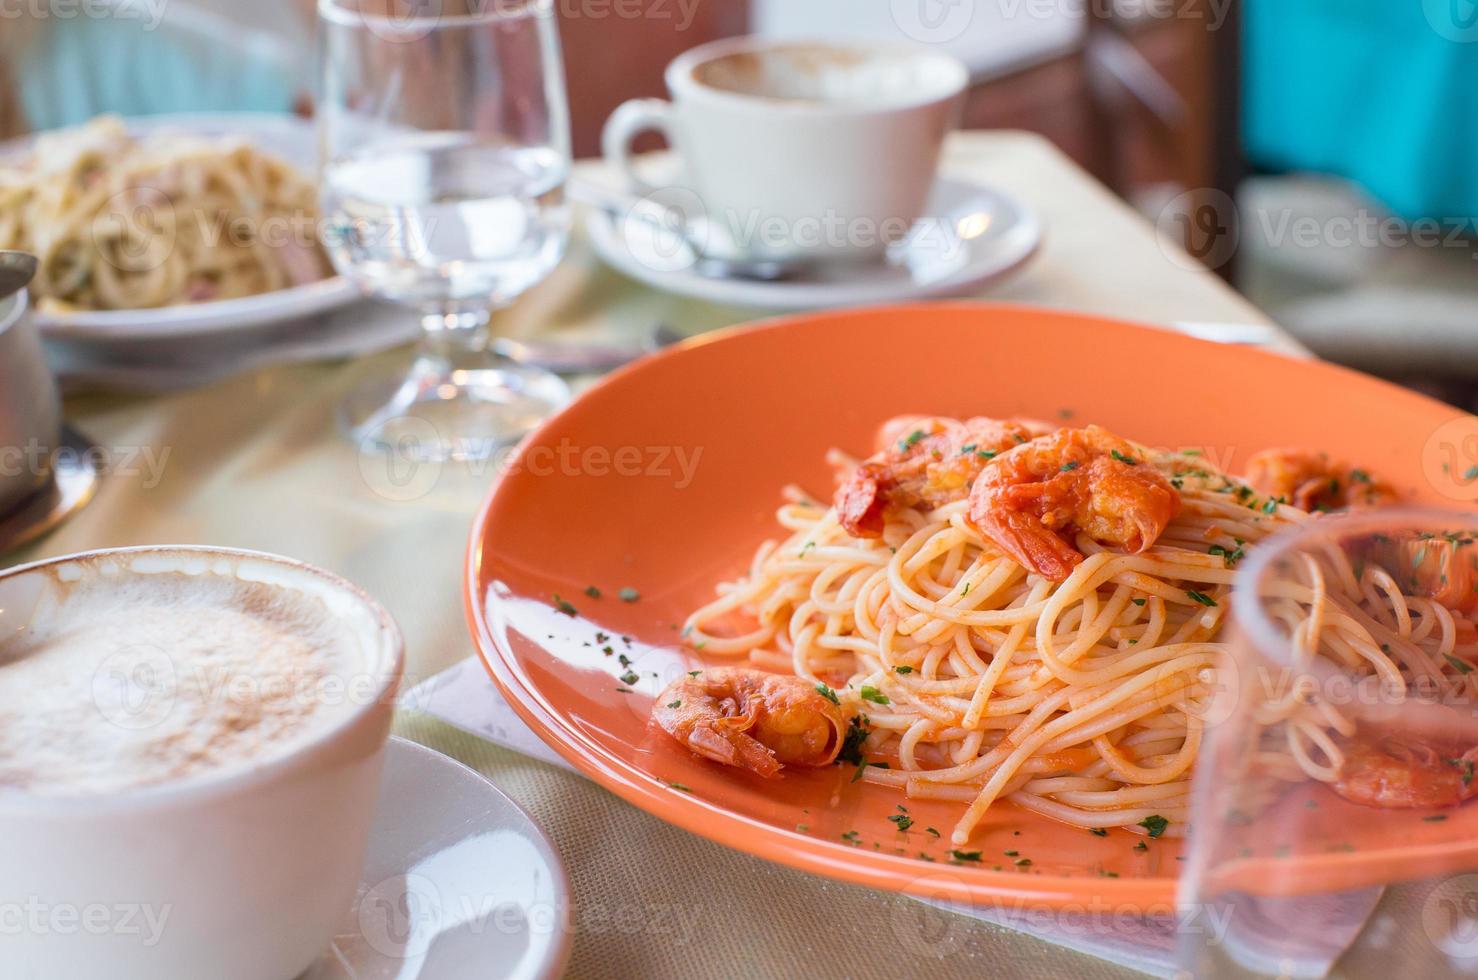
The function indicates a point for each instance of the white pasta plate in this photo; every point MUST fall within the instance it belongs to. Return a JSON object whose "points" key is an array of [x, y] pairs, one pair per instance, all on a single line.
{"points": [[285, 136]]}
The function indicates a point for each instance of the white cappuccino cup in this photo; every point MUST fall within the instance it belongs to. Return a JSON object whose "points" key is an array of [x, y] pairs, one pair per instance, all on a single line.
{"points": [[190, 751], [801, 149]]}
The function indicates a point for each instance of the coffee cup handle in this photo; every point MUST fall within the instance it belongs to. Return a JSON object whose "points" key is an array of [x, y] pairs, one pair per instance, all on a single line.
{"points": [[628, 121]]}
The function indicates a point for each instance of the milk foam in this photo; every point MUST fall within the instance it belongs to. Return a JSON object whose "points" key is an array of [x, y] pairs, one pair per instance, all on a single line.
{"points": [[821, 74], [119, 679]]}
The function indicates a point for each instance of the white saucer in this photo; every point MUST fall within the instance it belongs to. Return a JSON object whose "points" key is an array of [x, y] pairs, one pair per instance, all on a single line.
{"points": [[977, 235], [459, 883]]}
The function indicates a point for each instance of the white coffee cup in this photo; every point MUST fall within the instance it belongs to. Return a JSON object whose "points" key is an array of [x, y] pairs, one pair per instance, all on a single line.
{"points": [[816, 149], [246, 873], [30, 412]]}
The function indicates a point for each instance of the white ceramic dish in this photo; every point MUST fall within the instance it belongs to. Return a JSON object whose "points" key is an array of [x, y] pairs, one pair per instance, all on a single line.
{"points": [[972, 236], [241, 874], [289, 137], [459, 884]]}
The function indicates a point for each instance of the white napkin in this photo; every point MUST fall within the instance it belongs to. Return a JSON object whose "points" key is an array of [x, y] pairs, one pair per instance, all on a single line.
{"points": [[464, 696]]}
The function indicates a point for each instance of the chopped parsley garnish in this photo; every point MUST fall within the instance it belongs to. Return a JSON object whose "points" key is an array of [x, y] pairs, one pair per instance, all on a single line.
{"points": [[1011, 854], [681, 788], [1138, 602], [903, 670], [1435, 818], [628, 594], [808, 547], [1472, 473], [1155, 824], [870, 693], [565, 606], [694, 673], [1359, 476], [592, 591], [1127, 460], [1271, 507], [965, 855], [1201, 597], [1461, 666], [630, 677], [987, 454], [1098, 831], [1070, 465], [967, 450], [851, 837], [1141, 846], [902, 820], [827, 693], [1190, 452], [913, 439], [1023, 862], [931, 830], [851, 750], [675, 704], [1467, 767], [1230, 557]]}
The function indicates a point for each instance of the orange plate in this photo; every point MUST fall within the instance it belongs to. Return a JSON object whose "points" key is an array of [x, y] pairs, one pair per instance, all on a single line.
{"points": [[665, 478]]}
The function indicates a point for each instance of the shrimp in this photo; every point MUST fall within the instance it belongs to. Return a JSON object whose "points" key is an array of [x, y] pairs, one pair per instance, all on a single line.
{"points": [[1395, 772], [922, 461], [1313, 482], [1444, 568], [1028, 499], [752, 719]]}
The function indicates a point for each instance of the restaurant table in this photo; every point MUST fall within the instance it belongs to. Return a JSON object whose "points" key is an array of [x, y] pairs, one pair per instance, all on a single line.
{"points": [[256, 461]]}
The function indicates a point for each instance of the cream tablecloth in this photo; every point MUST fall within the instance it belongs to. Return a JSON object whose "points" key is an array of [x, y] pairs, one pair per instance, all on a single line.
{"points": [[255, 462]]}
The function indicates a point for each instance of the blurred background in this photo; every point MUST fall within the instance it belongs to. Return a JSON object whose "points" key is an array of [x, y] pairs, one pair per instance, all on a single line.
{"points": [[1315, 153]]}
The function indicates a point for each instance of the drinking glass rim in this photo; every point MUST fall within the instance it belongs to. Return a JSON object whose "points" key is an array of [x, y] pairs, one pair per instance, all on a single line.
{"points": [[1247, 609], [343, 13]]}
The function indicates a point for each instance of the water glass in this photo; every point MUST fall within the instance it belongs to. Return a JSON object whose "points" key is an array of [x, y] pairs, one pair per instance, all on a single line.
{"points": [[1331, 814], [444, 143]]}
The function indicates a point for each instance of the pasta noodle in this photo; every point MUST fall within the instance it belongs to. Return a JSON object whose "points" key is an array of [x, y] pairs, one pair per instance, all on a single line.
{"points": [[972, 678], [122, 223]]}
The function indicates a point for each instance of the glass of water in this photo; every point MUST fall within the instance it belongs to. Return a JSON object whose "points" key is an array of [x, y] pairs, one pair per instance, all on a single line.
{"points": [[444, 145], [1335, 809]]}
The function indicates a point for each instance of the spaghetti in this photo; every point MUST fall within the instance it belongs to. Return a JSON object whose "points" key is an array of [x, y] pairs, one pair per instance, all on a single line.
{"points": [[124, 223], [969, 676]]}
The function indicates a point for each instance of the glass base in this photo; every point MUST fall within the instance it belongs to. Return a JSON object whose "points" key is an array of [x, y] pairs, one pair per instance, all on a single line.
{"points": [[458, 407]]}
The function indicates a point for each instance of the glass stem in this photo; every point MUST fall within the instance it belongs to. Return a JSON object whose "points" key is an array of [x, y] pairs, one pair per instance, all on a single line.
{"points": [[450, 332]]}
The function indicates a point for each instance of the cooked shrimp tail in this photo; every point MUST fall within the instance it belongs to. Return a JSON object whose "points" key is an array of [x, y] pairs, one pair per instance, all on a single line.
{"points": [[751, 719], [1314, 482], [1399, 772], [922, 462], [1030, 499]]}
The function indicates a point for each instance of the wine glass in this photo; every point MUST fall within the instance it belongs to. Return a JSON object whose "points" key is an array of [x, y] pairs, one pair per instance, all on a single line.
{"points": [[1335, 807], [444, 145]]}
